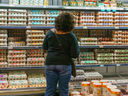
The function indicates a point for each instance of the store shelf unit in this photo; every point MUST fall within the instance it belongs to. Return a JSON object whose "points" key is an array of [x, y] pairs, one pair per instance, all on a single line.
{"points": [[87, 46], [77, 66], [22, 91], [81, 47], [31, 91], [50, 27], [7, 6]]}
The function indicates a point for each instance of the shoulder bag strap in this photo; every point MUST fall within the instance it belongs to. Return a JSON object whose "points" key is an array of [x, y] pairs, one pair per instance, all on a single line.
{"points": [[60, 44]]}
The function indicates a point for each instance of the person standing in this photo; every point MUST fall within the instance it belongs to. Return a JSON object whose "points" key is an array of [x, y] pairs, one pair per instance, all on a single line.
{"points": [[58, 64]]}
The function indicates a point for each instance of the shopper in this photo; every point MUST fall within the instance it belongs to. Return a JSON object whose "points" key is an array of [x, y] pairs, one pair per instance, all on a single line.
{"points": [[58, 63]]}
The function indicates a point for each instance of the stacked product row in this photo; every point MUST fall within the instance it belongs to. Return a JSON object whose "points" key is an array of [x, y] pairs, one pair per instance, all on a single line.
{"points": [[20, 58], [101, 37], [97, 88], [16, 37], [76, 3], [47, 18], [35, 57], [19, 79], [35, 17], [103, 56], [84, 76]]}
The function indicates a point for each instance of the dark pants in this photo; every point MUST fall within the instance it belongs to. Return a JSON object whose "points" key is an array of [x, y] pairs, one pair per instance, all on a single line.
{"points": [[55, 73]]}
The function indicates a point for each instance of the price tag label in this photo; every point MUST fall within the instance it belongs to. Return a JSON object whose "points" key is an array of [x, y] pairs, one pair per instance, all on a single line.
{"points": [[87, 8], [45, 6], [118, 65], [10, 47], [12, 5], [101, 46], [28, 27], [85, 27], [101, 65], [116, 27], [114, 9], [108, 9], [102, 9]]}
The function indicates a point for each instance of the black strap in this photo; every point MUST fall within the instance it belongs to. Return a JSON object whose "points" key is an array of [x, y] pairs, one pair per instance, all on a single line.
{"points": [[60, 44]]}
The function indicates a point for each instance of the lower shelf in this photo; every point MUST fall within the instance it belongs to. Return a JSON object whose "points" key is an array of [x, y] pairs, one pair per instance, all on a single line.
{"points": [[77, 66], [22, 91]]}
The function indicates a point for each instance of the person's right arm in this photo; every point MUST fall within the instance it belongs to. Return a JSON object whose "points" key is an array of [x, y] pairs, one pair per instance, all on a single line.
{"points": [[74, 48]]}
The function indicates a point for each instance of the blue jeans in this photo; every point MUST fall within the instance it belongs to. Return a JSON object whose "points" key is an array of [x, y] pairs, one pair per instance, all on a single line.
{"points": [[55, 73]]}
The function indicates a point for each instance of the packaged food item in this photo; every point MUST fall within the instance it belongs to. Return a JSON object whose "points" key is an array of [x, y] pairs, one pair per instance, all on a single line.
{"points": [[3, 84], [96, 89], [85, 88], [72, 2], [109, 87], [36, 80], [65, 2], [104, 88], [115, 92], [18, 83], [45, 2], [80, 3], [17, 75], [75, 93]]}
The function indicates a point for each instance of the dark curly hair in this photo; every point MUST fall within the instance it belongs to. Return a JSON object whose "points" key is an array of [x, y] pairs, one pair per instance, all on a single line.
{"points": [[65, 22]]}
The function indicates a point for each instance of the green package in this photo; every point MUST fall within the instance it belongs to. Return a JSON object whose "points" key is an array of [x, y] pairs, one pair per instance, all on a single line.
{"points": [[100, 4], [80, 3], [72, 3]]}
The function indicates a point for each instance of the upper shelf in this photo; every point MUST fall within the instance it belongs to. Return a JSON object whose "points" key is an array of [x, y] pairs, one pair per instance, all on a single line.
{"points": [[41, 7], [50, 27]]}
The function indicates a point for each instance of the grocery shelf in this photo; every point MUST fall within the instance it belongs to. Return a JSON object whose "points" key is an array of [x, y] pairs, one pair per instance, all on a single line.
{"points": [[3, 47], [25, 47], [22, 91], [50, 27], [87, 46], [104, 46], [77, 66], [39, 7], [16, 68]]}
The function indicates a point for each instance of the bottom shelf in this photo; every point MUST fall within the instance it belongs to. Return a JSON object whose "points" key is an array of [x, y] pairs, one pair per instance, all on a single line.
{"points": [[22, 91]]}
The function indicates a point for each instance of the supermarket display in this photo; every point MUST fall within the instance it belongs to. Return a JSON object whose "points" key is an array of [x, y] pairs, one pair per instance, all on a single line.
{"points": [[3, 62], [3, 17], [16, 37], [98, 33], [51, 15], [16, 58], [35, 57], [3, 37], [78, 3], [104, 18], [100, 88], [88, 41], [120, 56], [24, 45], [35, 37], [36, 18], [84, 75], [17, 17], [86, 57], [36, 80], [87, 19], [102, 57], [19, 79]]}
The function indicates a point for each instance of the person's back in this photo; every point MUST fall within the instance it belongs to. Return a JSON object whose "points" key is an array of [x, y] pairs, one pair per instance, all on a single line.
{"points": [[58, 62]]}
